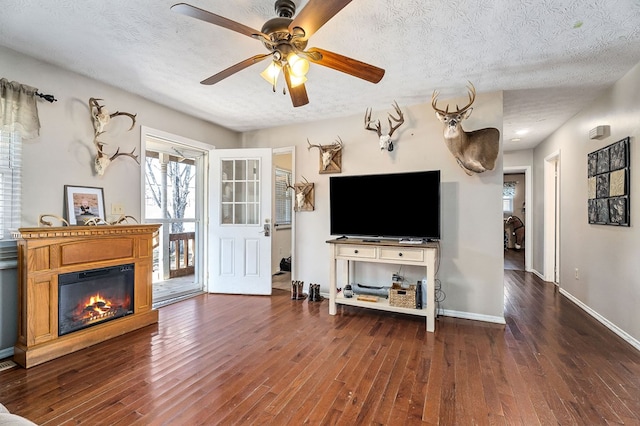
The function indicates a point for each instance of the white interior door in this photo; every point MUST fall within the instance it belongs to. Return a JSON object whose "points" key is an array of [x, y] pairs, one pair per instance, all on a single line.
{"points": [[240, 221]]}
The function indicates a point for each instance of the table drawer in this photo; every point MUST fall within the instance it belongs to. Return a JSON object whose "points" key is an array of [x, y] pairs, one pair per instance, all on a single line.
{"points": [[402, 253], [361, 252]]}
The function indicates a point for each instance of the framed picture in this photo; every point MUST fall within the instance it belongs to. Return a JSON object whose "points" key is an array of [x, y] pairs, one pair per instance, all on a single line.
{"points": [[83, 203], [608, 177]]}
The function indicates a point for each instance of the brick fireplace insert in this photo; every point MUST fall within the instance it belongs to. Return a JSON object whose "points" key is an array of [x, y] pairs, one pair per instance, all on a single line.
{"points": [[44, 254]]}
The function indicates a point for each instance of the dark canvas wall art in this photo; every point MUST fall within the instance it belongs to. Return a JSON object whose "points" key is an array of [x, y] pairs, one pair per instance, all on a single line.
{"points": [[608, 184]]}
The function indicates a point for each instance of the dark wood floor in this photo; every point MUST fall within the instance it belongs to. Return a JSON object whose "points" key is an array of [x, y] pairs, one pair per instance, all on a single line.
{"points": [[270, 360], [514, 259]]}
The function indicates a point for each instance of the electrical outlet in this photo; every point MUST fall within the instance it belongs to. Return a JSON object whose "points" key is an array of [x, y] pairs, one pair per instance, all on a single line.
{"points": [[577, 275], [117, 208]]}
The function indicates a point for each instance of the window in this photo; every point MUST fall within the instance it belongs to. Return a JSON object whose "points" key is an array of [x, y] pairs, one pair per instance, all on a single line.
{"points": [[283, 198], [10, 182], [240, 192], [507, 205], [508, 193]]}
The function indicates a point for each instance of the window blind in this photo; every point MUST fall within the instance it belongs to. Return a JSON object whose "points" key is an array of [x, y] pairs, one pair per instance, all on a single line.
{"points": [[283, 198], [10, 182]]}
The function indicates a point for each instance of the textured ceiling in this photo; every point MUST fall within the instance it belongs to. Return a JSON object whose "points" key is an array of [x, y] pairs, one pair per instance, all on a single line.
{"points": [[550, 57]]}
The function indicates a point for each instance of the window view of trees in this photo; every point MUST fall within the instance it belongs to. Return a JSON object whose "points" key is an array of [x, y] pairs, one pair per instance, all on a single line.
{"points": [[170, 195], [178, 202]]}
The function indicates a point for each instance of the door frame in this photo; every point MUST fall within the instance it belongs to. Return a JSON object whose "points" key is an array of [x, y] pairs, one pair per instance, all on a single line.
{"points": [[552, 218]]}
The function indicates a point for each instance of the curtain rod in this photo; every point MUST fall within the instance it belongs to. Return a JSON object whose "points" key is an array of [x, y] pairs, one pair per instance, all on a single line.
{"points": [[49, 98]]}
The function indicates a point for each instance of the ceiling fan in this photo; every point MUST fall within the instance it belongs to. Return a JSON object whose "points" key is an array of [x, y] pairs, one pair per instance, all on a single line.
{"points": [[286, 38]]}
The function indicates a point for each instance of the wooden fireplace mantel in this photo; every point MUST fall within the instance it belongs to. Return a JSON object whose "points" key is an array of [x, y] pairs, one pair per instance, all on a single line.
{"points": [[44, 253]]}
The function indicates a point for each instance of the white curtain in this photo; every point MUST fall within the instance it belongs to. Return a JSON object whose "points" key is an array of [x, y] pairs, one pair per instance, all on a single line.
{"points": [[18, 109]]}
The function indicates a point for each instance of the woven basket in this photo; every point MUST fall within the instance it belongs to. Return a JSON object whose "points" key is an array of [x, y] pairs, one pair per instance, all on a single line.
{"points": [[402, 297]]}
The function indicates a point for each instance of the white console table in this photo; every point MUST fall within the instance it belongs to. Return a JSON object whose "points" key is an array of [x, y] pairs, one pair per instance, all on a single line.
{"points": [[383, 251]]}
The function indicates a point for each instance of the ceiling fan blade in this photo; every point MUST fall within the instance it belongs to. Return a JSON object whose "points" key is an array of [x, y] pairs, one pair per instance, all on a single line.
{"points": [[235, 68], [299, 93], [315, 14], [212, 18], [346, 65]]}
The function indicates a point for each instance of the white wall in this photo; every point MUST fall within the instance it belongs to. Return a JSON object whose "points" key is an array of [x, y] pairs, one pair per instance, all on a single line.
{"points": [[606, 256], [64, 152], [471, 269], [520, 158]]}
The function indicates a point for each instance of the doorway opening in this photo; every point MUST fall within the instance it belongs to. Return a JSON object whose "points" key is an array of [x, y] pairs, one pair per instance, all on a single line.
{"points": [[173, 196], [282, 242], [514, 216], [516, 196]]}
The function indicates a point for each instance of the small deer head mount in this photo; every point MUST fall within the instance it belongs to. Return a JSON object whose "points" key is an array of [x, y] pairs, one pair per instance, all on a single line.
{"points": [[385, 140], [475, 151], [330, 156], [100, 117], [305, 195]]}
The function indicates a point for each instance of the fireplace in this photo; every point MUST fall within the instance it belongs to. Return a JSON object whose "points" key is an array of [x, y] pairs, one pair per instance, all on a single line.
{"points": [[91, 297], [57, 272]]}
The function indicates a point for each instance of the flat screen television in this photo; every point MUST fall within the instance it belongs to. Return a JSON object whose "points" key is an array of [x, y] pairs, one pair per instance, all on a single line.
{"points": [[394, 205]]}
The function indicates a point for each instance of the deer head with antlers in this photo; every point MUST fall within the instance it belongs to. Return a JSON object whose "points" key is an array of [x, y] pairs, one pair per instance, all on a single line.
{"points": [[475, 151], [330, 156], [100, 117], [385, 140]]}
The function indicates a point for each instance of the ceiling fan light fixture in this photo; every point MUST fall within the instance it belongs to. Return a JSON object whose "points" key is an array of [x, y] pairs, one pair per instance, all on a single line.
{"points": [[286, 37], [299, 66], [270, 74], [297, 80]]}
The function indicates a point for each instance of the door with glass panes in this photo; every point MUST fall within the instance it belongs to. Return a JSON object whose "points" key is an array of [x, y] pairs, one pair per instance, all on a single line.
{"points": [[240, 222]]}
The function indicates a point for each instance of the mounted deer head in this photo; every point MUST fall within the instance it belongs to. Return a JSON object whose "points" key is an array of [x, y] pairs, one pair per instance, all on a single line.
{"points": [[330, 156], [100, 117], [385, 140], [475, 151]]}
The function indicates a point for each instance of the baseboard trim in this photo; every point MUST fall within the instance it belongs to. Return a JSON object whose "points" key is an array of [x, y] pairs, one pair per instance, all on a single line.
{"points": [[472, 316], [611, 326], [538, 274], [6, 353], [461, 315]]}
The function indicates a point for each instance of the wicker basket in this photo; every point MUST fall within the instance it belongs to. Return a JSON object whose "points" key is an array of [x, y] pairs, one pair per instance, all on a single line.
{"points": [[402, 297]]}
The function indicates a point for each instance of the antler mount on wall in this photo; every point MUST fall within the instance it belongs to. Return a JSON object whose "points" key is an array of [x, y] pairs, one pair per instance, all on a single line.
{"points": [[394, 123], [100, 118], [330, 156], [304, 195]]}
